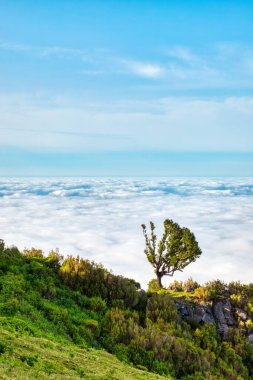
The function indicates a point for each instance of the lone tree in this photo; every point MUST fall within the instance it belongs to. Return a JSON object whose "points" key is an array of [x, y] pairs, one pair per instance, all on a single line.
{"points": [[176, 249]]}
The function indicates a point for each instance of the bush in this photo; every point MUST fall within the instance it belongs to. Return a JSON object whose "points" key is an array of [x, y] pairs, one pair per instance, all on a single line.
{"points": [[97, 304], [190, 285], [217, 289], [33, 252], [10, 257], [92, 325], [161, 308], [122, 352], [153, 286], [203, 294], [177, 286], [120, 288]]}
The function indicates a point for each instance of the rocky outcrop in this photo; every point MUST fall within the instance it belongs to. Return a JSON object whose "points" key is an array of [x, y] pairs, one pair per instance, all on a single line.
{"points": [[195, 312], [219, 312]]}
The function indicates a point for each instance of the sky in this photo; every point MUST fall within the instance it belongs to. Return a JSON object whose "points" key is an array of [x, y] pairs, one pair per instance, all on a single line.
{"points": [[126, 88]]}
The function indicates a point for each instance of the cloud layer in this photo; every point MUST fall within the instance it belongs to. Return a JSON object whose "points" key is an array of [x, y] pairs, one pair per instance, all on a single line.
{"points": [[100, 219], [166, 124]]}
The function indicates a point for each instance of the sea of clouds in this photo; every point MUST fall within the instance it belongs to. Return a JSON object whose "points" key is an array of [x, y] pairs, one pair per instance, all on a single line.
{"points": [[100, 218]]}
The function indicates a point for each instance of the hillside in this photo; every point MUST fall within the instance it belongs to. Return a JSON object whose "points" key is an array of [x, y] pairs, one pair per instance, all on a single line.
{"points": [[72, 318], [26, 357]]}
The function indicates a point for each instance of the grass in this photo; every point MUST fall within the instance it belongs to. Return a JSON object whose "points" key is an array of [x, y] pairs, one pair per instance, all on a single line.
{"points": [[177, 294], [25, 357]]}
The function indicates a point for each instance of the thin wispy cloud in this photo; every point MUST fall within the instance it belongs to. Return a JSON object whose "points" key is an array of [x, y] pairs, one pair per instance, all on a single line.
{"points": [[99, 57], [183, 54], [143, 69], [221, 65], [168, 124], [44, 51]]}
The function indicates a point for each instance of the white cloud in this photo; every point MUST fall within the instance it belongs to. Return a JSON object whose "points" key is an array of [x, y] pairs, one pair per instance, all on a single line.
{"points": [[144, 69], [100, 219], [221, 66], [183, 54], [44, 51], [168, 124]]}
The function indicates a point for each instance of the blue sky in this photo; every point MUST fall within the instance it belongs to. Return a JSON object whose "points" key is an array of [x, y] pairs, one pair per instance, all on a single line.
{"points": [[126, 88]]}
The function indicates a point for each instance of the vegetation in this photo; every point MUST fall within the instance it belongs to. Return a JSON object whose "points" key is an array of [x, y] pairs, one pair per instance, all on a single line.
{"points": [[176, 249], [72, 318]]}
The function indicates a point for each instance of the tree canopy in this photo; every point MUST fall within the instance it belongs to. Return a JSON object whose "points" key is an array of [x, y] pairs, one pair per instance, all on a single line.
{"points": [[176, 249]]}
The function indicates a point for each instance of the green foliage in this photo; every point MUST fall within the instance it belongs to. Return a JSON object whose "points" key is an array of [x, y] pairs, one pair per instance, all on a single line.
{"points": [[93, 279], [53, 315], [218, 289], [54, 259], [207, 337], [203, 293], [97, 304], [31, 360], [161, 308], [176, 286], [190, 285], [9, 258], [153, 286], [2, 348], [33, 252], [176, 249]]}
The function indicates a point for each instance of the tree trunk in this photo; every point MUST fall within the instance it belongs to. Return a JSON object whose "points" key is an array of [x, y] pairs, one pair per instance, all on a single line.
{"points": [[159, 280]]}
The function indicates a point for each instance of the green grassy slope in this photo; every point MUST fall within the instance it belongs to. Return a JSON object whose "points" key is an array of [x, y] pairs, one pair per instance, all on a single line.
{"points": [[74, 319], [29, 357], [49, 331]]}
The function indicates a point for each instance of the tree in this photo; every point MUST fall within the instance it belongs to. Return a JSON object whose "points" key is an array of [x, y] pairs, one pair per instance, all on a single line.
{"points": [[176, 249]]}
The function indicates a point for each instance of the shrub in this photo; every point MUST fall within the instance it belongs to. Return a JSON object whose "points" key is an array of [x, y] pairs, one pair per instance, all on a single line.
{"points": [[161, 307], [153, 286], [249, 325], [237, 300], [9, 307], [97, 304], [203, 293], [120, 326], [177, 286], [122, 288], [33, 252], [54, 259], [10, 257], [217, 288], [92, 325], [122, 352], [190, 285]]}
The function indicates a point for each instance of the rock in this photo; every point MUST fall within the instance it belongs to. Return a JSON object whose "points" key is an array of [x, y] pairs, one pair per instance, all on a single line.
{"points": [[227, 309], [241, 314], [208, 318], [185, 310], [198, 313], [250, 338], [221, 319], [218, 312], [221, 313], [203, 313]]}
